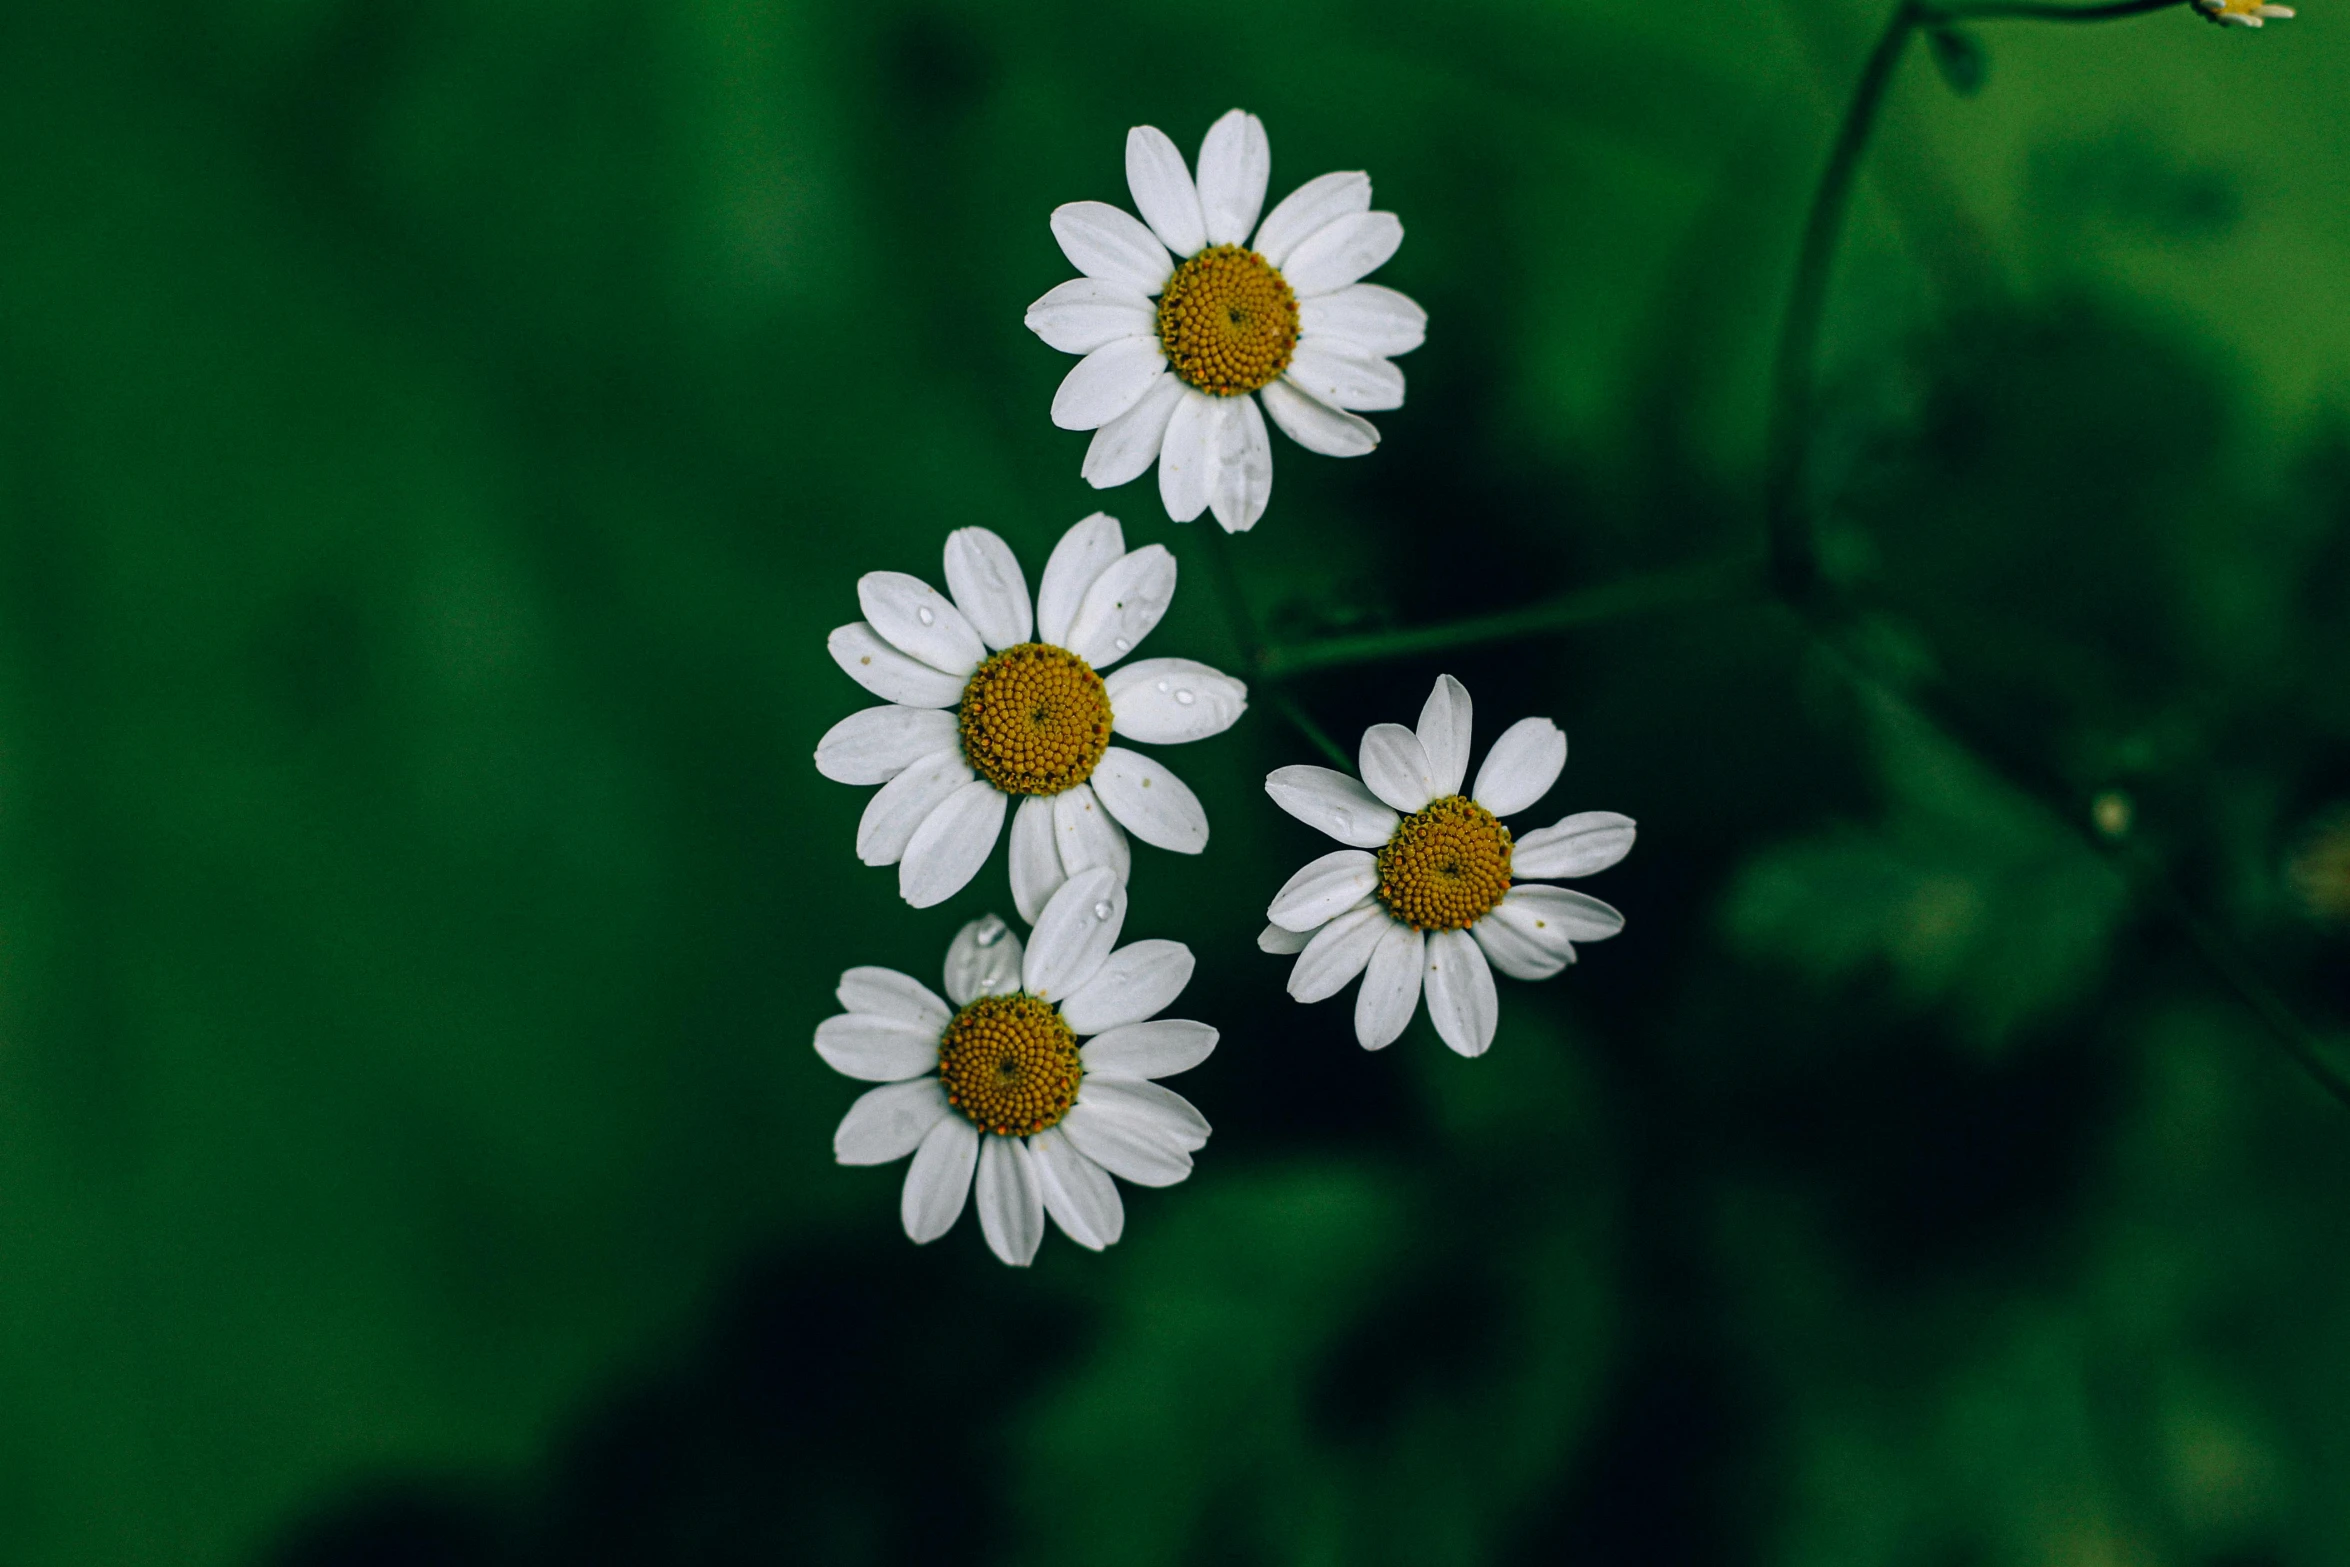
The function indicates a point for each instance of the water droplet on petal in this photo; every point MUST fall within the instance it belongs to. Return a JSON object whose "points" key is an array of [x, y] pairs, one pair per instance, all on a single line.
{"points": [[1184, 699], [925, 616], [991, 931], [1342, 818], [1121, 644], [1101, 911], [1163, 688]]}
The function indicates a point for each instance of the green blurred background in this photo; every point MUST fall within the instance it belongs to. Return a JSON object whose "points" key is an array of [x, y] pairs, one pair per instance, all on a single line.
{"points": [[434, 440]]}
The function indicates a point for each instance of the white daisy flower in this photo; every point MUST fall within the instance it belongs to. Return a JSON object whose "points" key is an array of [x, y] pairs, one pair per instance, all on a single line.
{"points": [[998, 1084], [1434, 906], [2243, 13], [1283, 316], [979, 714]]}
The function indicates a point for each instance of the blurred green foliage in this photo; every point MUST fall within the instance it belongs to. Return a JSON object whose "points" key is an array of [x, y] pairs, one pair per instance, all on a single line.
{"points": [[434, 441]]}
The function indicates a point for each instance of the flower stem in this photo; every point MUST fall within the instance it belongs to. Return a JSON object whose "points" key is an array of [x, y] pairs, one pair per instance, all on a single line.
{"points": [[1311, 730], [1931, 14], [1711, 583], [1794, 556], [1794, 560], [1253, 653]]}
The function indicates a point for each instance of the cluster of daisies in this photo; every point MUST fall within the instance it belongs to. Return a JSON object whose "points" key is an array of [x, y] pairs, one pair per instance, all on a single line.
{"points": [[1034, 1079]]}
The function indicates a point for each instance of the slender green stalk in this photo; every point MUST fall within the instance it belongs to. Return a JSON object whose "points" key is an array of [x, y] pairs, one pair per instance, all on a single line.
{"points": [[1794, 560], [1712, 583], [1311, 730], [1794, 556], [1932, 14], [1252, 648], [1232, 595]]}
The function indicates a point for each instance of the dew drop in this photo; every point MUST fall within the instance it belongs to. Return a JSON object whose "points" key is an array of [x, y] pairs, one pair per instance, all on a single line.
{"points": [[925, 616], [1101, 911], [1162, 688], [1121, 644], [1184, 699], [1342, 818], [991, 931]]}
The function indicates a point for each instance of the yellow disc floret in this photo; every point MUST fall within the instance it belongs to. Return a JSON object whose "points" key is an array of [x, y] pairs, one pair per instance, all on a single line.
{"points": [[1227, 321], [1010, 1065], [1446, 866], [1036, 719]]}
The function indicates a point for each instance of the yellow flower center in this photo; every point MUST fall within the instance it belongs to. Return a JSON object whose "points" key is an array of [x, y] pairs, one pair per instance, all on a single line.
{"points": [[1036, 719], [1227, 321], [1010, 1065], [1446, 866]]}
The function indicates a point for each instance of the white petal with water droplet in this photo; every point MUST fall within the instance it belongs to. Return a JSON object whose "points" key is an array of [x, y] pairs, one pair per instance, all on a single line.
{"points": [[1168, 701], [988, 587], [1074, 934], [983, 960]]}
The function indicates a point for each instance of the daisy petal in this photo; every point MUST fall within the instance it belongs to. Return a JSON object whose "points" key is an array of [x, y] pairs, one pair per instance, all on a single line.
{"points": [[876, 1049], [1376, 319], [1579, 845], [983, 960], [1150, 802], [1334, 371], [1074, 934], [1085, 313], [1578, 916], [1309, 209], [1122, 606], [1159, 1111], [1337, 953], [1187, 456], [1235, 160], [1444, 735], [947, 850], [1078, 1193], [1461, 1002], [1242, 483], [1391, 986], [888, 673], [1342, 252], [1103, 242], [1011, 1206], [1108, 382], [938, 1180], [1520, 944], [1085, 834], [1396, 767], [877, 744], [900, 807], [1147, 1050], [1163, 192], [1131, 1150], [1329, 800], [1084, 553], [988, 588], [1036, 860], [884, 992], [1125, 448], [1317, 426], [1135, 982], [1168, 701], [1282, 943], [890, 1123], [919, 621], [1521, 767], [1324, 889]]}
